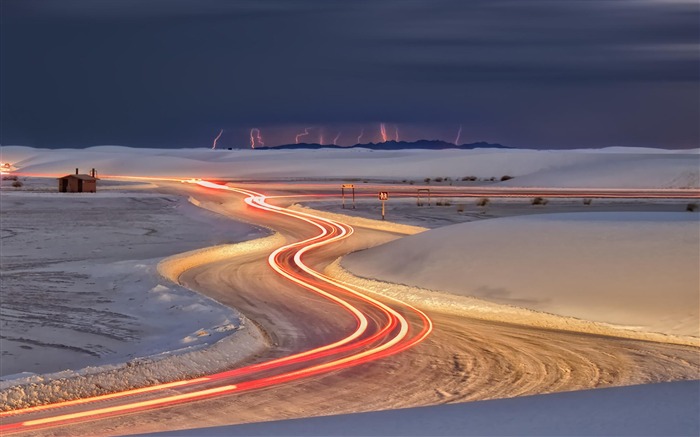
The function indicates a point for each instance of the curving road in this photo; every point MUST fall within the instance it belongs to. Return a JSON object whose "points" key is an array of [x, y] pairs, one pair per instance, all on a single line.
{"points": [[330, 343], [362, 329]]}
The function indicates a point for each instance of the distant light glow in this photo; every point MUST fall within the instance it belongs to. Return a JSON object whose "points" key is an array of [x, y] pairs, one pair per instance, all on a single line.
{"points": [[6, 167], [396, 134], [359, 137], [382, 130], [459, 134], [335, 140]]}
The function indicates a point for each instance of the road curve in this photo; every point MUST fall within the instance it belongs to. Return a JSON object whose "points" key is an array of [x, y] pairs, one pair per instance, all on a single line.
{"points": [[379, 330], [462, 359]]}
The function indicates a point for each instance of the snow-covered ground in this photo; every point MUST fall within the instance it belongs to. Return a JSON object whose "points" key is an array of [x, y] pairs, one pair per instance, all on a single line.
{"points": [[80, 281], [615, 167], [635, 270], [668, 409]]}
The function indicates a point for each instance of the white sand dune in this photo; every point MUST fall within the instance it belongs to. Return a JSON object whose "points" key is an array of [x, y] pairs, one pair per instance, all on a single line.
{"points": [[668, 409], [619, 167], [637, 270]]}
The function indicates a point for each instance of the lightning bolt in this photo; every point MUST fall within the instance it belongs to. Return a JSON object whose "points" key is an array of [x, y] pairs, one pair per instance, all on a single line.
{"points": [[459, 134], [335, 140], [303, 134], [255, 137], [397, 133], [213, 146], [382, 130], [362, 132]]}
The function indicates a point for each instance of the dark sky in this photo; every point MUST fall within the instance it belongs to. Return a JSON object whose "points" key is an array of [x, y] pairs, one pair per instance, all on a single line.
{"points": [[527, 73]]}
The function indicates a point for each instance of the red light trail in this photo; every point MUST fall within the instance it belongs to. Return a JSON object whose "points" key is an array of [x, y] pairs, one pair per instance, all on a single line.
{"points": [[382, 130], [380, 330]]}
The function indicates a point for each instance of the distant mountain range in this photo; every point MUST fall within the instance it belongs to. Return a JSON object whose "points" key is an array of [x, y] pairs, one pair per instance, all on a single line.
{"points": [[393, 145]]}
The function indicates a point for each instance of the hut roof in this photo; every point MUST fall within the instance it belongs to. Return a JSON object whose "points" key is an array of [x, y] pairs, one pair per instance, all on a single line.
{"points": [[85, 177]]}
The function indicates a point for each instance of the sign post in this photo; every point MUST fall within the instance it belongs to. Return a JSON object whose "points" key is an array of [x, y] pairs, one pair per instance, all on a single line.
{"points": [[383, 196], [422, 190], [342, 191]]}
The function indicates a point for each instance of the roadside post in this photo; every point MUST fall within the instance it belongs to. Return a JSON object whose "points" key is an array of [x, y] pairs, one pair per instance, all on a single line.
{"points": [[422, 190], [383, 196], [342, 192]]}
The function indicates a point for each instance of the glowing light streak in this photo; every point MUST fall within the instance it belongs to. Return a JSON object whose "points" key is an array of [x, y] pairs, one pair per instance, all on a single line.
{"points": [[459, 134], [396, 134], [106, 396], [213, 146], [260, 201], [359, 137], [303, 134], [135, 405], [335, 140]]}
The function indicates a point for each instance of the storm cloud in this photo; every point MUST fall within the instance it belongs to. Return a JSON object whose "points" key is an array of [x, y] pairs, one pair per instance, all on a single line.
{"points": [[528, 73]]}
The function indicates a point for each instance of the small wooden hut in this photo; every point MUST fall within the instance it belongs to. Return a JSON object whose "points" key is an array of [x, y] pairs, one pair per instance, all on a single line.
{"points": [[78, 183]]}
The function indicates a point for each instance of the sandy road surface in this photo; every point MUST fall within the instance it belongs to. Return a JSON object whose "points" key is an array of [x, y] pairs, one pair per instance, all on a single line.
{"points": [[463, 359]]}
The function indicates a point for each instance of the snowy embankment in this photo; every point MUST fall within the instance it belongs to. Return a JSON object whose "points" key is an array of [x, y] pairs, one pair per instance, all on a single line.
{"points": [[615, 167], [81, 285], [668, 409], [634, 270]]}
